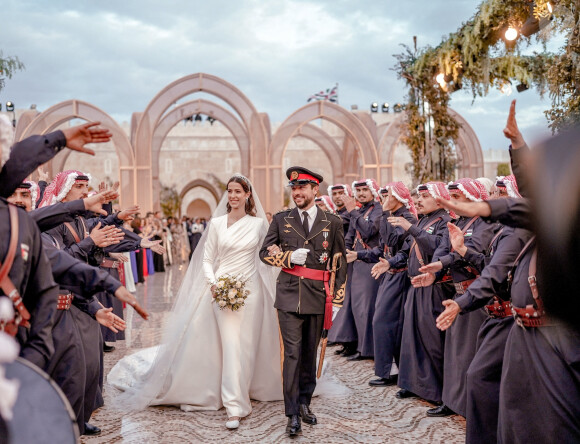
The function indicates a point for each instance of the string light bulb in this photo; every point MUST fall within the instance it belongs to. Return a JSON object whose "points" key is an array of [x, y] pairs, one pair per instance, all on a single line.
{"points": [[511, 34]]}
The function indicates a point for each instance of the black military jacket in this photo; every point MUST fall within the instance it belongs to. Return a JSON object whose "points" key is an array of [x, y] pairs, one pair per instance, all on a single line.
{"points": [[295, 294]]}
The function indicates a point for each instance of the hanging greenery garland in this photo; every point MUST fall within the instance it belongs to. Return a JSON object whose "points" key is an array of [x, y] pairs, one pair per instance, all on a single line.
{"points": [[479, 56]]}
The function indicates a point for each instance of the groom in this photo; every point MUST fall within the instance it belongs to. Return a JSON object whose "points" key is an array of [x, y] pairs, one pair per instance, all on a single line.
{"points": [[302, 241]]}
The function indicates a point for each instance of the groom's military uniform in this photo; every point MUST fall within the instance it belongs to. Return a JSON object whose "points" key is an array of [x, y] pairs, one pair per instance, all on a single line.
{"points": [[301, 290]]}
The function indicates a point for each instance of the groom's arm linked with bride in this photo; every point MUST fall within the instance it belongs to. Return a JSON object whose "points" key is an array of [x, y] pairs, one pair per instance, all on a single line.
{"points": [[300, 298]]}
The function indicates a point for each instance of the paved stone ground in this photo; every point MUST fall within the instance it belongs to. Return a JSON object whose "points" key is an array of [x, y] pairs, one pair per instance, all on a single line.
{"points": [[362, 414]]}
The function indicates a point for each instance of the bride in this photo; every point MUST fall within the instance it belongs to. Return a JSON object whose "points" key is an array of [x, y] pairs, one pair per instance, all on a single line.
{"points": [[209, 357]]}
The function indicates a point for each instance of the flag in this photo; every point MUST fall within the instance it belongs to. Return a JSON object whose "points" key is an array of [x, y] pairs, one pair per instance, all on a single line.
{"points": [[331, 94]]}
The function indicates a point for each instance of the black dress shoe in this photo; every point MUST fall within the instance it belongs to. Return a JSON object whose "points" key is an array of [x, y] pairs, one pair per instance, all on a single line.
{"points": [[108, 348], [306, 414], [383, 382], [402, 394], [294, 427], [440, 411], [91, 430]]}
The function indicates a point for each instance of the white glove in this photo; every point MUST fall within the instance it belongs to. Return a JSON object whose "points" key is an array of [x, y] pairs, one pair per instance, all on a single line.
{"points": [[299, 256]]}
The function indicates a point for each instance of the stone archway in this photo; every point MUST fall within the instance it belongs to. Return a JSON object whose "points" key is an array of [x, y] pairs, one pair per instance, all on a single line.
{"points": [[56, 115], [209, 193], [199, 106], [354, 130], [153, 114]]}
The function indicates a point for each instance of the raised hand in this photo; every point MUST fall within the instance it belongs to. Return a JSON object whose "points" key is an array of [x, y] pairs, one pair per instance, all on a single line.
{"points": [[95, 202], [126, 296], [457, 239], [399, 222], [423, 280], [467, 209], [511, 130], [432, 268], [349, 202], [153, 245], [380, 267], [107, 235], [42, 174], [445, 319], [128, 213], [78, 136]]}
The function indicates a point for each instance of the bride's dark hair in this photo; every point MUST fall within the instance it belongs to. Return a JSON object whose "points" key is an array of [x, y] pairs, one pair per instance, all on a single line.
{"points": [[250, 204]]}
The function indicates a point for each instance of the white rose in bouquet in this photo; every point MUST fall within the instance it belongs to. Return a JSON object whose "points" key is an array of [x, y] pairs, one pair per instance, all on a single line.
{"points": [[222, 303]]}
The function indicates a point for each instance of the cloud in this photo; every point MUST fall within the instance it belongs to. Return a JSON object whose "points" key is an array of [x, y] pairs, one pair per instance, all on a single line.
{"points": [[118, 55]]}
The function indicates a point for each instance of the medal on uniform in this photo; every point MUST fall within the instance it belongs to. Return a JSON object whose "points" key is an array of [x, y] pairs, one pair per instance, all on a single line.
{"points": [[323, 257]]}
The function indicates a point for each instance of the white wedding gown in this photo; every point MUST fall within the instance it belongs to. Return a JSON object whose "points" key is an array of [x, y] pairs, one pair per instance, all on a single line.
{"points": [[212, 357]]}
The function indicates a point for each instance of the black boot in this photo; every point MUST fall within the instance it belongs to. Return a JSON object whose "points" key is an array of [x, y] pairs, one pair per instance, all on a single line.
{"points": [[306, 414], [294, 427]]}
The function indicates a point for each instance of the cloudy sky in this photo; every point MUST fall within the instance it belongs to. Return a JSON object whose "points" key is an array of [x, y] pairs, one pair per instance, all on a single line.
{"points": [[119, 54]]}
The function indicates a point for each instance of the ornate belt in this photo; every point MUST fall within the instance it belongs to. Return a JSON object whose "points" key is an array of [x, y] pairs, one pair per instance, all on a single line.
{"points": [[64, 301], [109, 263], [499, 309], [461, 287]]}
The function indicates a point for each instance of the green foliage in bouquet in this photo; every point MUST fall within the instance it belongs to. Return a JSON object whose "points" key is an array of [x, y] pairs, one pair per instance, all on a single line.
{"points": [[230, 292]]}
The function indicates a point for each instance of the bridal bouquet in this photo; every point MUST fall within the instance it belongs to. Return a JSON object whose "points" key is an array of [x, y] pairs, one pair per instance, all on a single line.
{"points": [[231, 292]]}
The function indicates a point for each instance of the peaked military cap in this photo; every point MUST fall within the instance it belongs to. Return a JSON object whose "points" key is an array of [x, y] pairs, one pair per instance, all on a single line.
{"points": [[301, 176]]}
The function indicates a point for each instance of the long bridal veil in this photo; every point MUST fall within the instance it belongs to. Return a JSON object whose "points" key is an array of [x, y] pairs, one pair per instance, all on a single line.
{"points": [[145, 387]]}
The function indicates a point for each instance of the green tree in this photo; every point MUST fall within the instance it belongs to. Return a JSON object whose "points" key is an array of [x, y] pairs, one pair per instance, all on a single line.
{"points": [[170, 201], [8, 66], [503, 169]]}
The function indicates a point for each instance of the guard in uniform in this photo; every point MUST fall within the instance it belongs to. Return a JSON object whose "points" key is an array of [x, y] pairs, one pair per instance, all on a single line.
{"points": [[461, 338], [394, 283], [343, 330], [362, 236], [422, 344], [303, 242]]}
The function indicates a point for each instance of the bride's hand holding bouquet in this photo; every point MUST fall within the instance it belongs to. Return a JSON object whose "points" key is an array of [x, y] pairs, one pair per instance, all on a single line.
{"points": [[230, 292]]}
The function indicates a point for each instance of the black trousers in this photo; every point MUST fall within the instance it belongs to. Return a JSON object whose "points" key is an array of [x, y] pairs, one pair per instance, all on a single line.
{"points": [[301, 335]]}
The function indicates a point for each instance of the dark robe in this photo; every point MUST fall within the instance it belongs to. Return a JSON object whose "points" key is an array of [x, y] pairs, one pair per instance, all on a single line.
{"points": [[343, 327], [422, 343], [364, 222], [461, 337], [391, 295]]}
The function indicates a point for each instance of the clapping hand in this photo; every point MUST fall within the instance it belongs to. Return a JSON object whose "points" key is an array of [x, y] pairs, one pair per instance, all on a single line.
{"points": [[351, 256], [445, 319], [423, 280], [379, 268], [399, 222], [153, 245], [457, 239], [106, 236], [349, 202], [78, 136]]}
